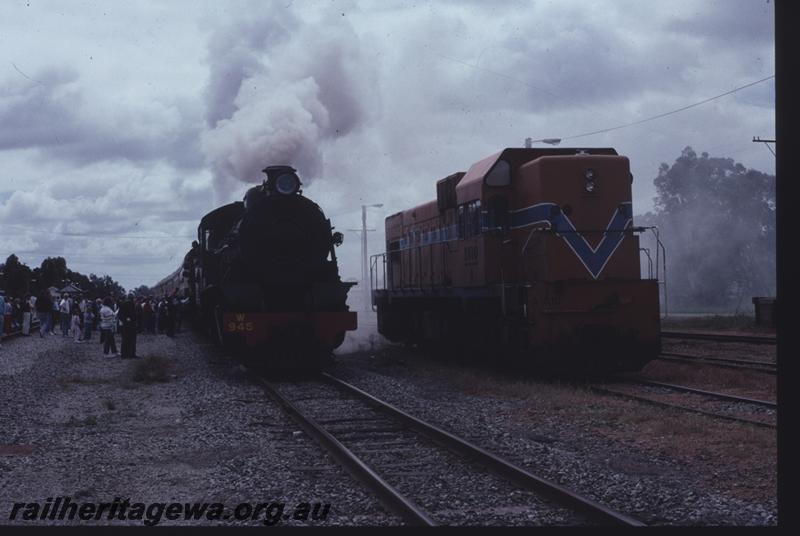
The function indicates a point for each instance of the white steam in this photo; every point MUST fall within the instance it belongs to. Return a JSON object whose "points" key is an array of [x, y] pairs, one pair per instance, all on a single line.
{"points": [[279, 90]]}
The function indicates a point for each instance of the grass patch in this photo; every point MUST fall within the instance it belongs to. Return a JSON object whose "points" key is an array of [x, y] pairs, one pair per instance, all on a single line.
{"points": [[150, 369]]}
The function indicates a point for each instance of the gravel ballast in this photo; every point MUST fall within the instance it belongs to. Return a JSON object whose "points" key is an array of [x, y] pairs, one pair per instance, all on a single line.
{"points": [[661, 466], [184, 424], [180, 424]]}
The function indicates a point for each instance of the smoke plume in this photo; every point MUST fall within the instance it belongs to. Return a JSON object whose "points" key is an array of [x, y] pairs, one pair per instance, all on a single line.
{"points": [[279, 89]]}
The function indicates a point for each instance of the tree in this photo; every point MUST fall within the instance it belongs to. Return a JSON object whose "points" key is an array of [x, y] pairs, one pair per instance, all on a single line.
{"points": [[16, 278], [52, 272], [104, 286], [717, 222], [143, 290]]}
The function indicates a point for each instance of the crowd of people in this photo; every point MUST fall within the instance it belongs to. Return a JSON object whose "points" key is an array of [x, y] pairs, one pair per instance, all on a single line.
{"points": [[79, 317]]}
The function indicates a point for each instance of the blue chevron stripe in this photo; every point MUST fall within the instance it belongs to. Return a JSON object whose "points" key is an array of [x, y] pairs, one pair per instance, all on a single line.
{"points": [[593, 259]]}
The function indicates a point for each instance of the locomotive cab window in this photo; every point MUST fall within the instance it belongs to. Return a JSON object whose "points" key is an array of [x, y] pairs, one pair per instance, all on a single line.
{"points": [[499, 175], [469, 219], [475, 217], [394, 251], [498, 213]]}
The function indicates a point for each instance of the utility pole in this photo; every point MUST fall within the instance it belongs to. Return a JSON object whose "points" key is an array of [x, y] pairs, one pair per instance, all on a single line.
{"points": [[366, 301], [756, 139]]}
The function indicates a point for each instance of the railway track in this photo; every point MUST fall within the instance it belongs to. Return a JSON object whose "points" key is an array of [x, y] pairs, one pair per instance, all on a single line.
{"points": [[745, 364], [411, 464], [708, 395], [752, 339]]}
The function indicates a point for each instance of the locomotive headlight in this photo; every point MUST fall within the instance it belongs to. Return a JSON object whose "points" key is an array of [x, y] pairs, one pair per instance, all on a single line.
{"points": [[287, 184], [591, 180]]}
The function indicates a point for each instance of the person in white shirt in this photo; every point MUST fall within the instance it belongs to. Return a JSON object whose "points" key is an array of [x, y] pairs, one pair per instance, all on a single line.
{"points": [[64, 310], [76, 324], [26, 315], [108, 319]]}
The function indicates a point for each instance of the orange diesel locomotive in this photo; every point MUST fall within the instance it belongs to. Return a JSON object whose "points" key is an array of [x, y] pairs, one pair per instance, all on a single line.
{"points": [[531, 253]]}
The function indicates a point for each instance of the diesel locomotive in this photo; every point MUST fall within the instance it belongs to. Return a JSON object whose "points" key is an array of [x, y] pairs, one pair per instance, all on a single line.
{"points": [[263, 276], [530, 256]]}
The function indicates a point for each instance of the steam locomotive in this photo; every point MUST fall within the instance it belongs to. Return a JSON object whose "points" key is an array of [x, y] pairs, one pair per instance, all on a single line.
{"points": [[532, 254], [264, 279]]}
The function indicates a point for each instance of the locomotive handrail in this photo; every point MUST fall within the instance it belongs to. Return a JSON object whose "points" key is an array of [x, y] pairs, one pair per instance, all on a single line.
{"points": [[646, 251], [660, 246], [661, 264], [374, 281]]}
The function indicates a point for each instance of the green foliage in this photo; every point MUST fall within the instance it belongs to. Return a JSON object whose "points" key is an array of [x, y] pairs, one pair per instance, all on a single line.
{"points": [[17, 279], [143, 290], [52, 272], [717, 222]]}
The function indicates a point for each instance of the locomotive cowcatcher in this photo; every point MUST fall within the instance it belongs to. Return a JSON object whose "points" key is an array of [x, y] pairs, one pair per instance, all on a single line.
{"points": [[532, 255], [265, 279]]}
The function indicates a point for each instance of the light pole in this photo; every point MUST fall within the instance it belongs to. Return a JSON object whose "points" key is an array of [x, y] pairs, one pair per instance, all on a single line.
{"points": [[552, 141], [365, 256]]}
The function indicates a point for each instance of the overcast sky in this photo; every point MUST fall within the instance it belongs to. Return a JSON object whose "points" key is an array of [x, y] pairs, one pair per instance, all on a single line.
{"points": [[122, 124]]}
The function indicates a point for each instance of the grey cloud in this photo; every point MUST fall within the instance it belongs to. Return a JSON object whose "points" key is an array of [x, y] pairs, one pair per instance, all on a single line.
{"points": [[39, 111], [52, 112], [749, 22]]}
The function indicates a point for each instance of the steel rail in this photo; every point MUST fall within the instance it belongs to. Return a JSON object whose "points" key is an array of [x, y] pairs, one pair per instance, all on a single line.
{"points": [[722, 359], [502, 467], [667, 405], [686, 389], [388, 495], [768, 368], [754, 339], [690, 361]]}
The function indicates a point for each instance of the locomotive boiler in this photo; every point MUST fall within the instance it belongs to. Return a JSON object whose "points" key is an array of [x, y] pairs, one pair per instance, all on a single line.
{"points": [[264, 278], [531, 256]]}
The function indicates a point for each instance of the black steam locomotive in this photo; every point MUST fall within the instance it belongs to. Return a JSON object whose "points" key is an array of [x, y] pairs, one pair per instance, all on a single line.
{"points": [[264, 278]]}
